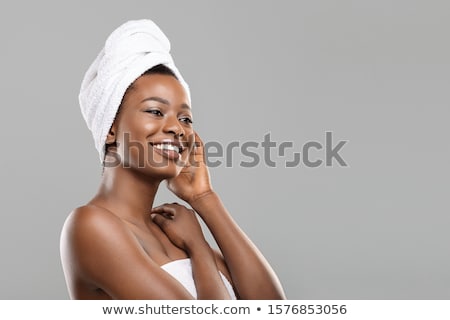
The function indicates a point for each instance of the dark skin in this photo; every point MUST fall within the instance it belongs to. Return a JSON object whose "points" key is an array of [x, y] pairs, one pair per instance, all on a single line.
{"points": [[113, 247]]}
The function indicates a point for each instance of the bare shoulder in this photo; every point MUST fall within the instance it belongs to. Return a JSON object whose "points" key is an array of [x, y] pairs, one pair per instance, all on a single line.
{"points": [[87, 223], [88, 218], [88, 234]]}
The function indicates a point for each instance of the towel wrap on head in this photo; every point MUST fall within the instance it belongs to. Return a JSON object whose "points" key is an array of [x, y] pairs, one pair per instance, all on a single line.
{"points": [[133, 48]]}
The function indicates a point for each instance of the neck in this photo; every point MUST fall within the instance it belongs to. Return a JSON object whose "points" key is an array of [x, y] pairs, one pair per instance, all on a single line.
{"points": [[127, 193]]}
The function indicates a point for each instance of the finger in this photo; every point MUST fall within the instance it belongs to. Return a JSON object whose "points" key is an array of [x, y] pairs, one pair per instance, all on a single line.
{"points": [[164, 208], [191, 151], [198, 144], [160, 221], [198, 155], [166, 214], [190, 143], [198, 139]]}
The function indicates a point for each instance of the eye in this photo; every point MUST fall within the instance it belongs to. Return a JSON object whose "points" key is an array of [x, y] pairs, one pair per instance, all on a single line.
{"points": [[156, 112], [186, 120]]}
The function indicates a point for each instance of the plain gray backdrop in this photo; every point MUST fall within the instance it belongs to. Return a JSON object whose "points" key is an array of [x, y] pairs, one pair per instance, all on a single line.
{"points": [[374, 73]]}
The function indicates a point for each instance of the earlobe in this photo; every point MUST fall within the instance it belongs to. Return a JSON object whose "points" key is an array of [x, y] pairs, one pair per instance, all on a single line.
{"points": [[111, 137]]}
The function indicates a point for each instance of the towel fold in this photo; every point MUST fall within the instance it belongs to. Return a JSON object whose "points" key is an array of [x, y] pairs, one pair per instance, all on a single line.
{"points": [[181, 270], [130, 50]]}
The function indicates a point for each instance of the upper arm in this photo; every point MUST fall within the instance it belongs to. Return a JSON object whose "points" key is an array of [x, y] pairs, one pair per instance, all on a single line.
{"points": [[96, 246]]}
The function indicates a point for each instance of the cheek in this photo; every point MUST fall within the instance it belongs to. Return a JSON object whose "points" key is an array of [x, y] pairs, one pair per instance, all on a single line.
{"points": [[139, 128], [151, 127], [133, 137]]}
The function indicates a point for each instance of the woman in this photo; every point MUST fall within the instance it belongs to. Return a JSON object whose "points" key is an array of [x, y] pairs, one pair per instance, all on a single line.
{"points": [[137, 106]]}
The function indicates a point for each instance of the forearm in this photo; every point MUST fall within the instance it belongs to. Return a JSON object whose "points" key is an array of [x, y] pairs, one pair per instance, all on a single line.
{"points": [[206, 275], [251, 273]]}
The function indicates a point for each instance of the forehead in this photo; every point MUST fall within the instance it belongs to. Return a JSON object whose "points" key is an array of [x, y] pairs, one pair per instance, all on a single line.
{"points": [[156, 85]]}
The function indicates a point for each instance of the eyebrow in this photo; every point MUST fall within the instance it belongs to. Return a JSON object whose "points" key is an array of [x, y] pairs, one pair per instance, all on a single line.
{"points": [[164, 101]]}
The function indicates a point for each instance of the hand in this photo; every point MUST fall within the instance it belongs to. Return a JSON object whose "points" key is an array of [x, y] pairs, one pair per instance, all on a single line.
{"points": [[179, 224], [193, 180]]}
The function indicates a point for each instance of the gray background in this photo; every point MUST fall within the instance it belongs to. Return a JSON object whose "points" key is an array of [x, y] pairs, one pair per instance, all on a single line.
{"points": [[375, 73]]}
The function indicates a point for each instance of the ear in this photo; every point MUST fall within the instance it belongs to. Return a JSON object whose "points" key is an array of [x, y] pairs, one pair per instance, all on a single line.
{"points": [[111, 137]]}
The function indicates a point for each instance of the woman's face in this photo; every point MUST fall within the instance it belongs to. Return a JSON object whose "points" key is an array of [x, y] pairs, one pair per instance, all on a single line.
{"points": [[153, 129]]}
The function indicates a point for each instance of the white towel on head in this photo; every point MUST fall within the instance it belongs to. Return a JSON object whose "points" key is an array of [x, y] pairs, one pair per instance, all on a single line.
{"points": [[129, 51]]}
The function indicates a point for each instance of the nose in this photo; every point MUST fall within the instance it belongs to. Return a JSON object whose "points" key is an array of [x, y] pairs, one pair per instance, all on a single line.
{"points": [[173, 126]]}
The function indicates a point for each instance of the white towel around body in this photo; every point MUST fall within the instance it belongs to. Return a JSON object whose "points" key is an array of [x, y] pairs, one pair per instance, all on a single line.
{"points": [[182, 271]]}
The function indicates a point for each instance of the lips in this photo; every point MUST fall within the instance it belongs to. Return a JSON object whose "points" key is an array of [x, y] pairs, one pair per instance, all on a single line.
{"points": [[168, 149], [168, 146]]}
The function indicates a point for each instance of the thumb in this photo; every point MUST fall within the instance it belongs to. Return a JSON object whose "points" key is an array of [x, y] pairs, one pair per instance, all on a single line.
{"points": [[162, 220]]}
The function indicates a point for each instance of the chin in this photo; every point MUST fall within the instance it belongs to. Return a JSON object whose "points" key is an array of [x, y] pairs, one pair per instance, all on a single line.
{"points": [[158, 168], [163, 173]]}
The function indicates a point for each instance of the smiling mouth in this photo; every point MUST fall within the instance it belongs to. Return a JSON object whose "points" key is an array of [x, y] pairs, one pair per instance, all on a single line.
{"points": [[167, 146], [168, 149]]}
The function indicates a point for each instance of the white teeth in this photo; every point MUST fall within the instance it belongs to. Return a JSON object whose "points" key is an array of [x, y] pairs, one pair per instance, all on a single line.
{"points": [[167, 146]]}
